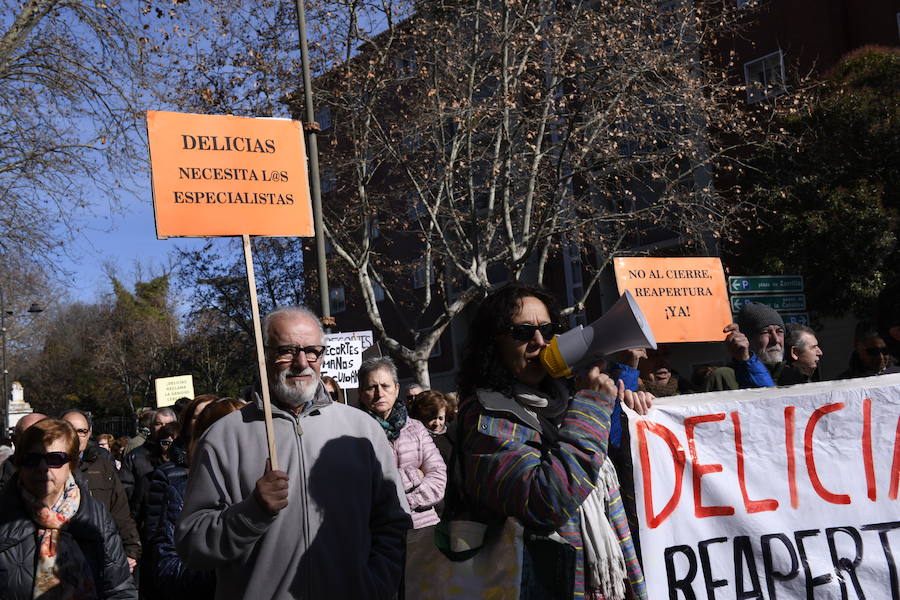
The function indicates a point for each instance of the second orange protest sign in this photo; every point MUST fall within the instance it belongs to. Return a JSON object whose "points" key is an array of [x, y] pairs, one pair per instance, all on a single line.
{"points": [[683, 299], [226, 175]]}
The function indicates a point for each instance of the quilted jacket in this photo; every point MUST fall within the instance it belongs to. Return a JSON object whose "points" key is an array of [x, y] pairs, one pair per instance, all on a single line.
{"points": [[92, 528], [176, 579], [422, 472], [154, 501]]}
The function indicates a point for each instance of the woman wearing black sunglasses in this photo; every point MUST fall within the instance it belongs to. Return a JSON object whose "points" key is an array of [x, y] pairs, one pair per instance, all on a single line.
{"points": [[56, 541], [533, 453]]}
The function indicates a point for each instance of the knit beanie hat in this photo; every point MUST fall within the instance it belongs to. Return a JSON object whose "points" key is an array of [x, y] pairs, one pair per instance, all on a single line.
{"points": [[754, 317]]}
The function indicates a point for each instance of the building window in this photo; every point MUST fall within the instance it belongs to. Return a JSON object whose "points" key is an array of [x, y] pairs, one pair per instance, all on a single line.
{"points": [[668, 22], [323, 118], [574, 280], [418, 277], [406, 64], [378, 292], [374, 231], [765, 77], [328, 182], [415, 208], [360, 104], [486, 87], [740, 3], [411, 142], [337, 299], [456, 286]]}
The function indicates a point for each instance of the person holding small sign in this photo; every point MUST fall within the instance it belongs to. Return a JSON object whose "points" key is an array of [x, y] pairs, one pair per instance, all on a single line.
{"points": [[756, 344], [332, 524]]}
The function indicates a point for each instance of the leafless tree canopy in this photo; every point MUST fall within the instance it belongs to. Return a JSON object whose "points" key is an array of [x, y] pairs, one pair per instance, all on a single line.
{"points": [[497, 135], [70, 122], [470, 141]]}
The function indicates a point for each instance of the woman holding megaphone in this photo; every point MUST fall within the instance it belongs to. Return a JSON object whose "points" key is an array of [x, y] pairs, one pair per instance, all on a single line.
{"points": [[532, 451]]}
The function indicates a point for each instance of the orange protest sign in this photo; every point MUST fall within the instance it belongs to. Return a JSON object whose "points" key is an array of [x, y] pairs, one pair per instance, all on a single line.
{"points": [[226, 175], [683, 299]]}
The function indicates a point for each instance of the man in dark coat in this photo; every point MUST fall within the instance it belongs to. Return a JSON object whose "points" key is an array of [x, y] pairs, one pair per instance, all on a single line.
{"points": [[802, 354], [96, 470]]}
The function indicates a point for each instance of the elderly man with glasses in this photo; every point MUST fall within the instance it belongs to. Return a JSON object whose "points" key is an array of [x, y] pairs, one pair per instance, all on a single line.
{"points": [[96, 471], [331, 523]]}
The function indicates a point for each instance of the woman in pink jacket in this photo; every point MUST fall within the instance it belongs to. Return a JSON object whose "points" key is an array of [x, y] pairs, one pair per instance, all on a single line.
{"points": [[421, 467]]}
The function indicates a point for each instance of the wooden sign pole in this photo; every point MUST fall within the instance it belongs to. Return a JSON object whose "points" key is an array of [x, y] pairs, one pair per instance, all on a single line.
{"points": [[260, 354]]}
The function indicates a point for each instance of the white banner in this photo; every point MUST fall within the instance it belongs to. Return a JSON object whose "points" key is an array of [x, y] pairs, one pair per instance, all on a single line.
{"points": [[343, 357], [771, 493]]}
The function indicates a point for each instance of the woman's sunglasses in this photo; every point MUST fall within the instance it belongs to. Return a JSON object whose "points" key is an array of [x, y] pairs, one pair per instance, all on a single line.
{"points": [[53, 460], [524, 332]]}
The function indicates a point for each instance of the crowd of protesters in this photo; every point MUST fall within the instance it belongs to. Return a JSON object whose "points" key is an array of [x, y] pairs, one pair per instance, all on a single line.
{"points": [[193, 507]]}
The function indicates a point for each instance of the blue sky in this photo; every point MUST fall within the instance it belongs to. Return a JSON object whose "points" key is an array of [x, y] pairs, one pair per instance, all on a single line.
{"points": [[123, 240]]}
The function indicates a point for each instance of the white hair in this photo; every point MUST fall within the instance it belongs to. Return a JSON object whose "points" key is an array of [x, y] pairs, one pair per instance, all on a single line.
{"points": [[287, 310]]}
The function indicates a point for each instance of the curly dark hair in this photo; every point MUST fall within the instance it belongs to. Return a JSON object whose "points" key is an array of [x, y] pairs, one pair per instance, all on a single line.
{"points": [[481, 365]]}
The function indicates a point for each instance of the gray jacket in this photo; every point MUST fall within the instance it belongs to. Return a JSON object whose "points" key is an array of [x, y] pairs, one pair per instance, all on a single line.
{"points": [[343, 530]]}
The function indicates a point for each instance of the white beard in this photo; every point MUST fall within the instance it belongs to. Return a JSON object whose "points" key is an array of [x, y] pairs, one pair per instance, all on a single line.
{"points": [[771, 356], [291, 395]]}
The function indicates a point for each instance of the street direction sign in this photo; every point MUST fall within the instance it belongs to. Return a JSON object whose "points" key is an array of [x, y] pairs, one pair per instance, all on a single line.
{"points": [[765, 283], [800, 318], [781, 303]]}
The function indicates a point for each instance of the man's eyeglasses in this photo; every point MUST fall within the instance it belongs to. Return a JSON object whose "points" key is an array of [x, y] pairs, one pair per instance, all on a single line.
{"points": [[290, 353], [53, 460], [82, 432], [525, 332], [165, 443]]}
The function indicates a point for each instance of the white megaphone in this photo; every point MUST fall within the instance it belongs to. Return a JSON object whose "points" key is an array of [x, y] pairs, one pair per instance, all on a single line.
{"points": [[622, 327]]}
